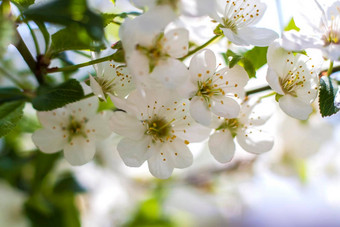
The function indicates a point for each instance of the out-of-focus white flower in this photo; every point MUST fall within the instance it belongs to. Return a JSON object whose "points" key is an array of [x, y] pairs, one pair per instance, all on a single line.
{"points": [[185, 7], [337, 99], [111, 78], [294, 78], [324, 35], [245, 129], [237, 20], [214, 91], [157, 128], [151, 54], [74, 129], [11, 206]]}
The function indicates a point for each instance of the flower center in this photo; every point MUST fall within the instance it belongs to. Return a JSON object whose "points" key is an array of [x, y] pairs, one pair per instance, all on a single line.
{"points": [[230, 124], [333, 34], [172, 3], [227, 23], [207, 89], [154, 53], [106, 85], [158, 128], [239, 14], [291, 82], [75, 128]]}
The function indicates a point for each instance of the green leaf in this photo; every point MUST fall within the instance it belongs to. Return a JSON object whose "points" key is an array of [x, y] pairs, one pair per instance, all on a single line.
{"points": [[43, 163], [257, 56], [23, 3], [10, 115], [68, 12], [249, 67], [108, 18], [10, 94], [52, 98], [291, 26], [251, 60], [68, 184], [231, 58], [74, 37], [327, 93]]}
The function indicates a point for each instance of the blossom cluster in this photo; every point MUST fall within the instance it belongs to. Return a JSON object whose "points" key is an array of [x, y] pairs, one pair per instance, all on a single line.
{"points": [[164, 103]]}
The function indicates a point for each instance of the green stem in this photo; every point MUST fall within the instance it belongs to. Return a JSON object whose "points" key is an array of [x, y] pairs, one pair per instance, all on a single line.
{"points": [[35, 40], [200, 47], [75, 67], [330, 69], [257, 90], [268, 95], [27, 56]]}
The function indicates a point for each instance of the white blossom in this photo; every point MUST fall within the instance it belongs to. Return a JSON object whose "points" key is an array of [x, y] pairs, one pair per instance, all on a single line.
{"points": [[237, 20], [214, 92], [323, 34], [74, 129], [112, 78], [152, 53], [157, 128], [337, 99], [185, 7], [294, 78], [246, 131]]}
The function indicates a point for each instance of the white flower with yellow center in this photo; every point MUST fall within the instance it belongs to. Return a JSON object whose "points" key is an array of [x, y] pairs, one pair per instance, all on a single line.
{"points": [[157, 129], [113, 79], [237, 20], [74, 129], [294, 78], [320, 29], [152, 53], [215, 92], [245, 129]]}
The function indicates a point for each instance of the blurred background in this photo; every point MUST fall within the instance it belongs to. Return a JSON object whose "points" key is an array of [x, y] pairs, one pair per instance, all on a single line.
{"points": [[297, 183]]}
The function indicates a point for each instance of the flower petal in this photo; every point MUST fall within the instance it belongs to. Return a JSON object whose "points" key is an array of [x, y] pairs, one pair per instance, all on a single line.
{"points": [[254, 140], [171, 72], [273, 81], [293, 40], [180, 154], [51, 119], [234, 38], [80, 150], [277, 57], [176, 42], [193, 133], [86, 108], [49, 141], [99, 124], [127, 125], [222, 146], [135, 152], [295, 108], [225, 107], [96, 88], [199, 111], [258, 36], [161, 166], [202, 65]]}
